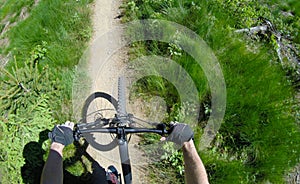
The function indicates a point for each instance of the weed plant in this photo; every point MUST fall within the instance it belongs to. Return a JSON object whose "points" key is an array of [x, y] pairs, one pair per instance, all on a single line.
{"points": [[259, 140]]}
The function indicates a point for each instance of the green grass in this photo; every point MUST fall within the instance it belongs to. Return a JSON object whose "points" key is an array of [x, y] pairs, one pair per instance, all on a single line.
{"points": [[11, 9], [36, 84], [63, 30], [259, 138]]}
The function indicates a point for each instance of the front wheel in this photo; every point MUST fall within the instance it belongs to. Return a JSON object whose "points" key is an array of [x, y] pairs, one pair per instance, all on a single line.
{"points": [[91, 107], [99, 105]]}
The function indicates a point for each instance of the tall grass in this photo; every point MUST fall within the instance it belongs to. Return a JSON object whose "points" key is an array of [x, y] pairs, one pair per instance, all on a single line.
{"points": [[64, 30], [259, 139], [11, 9], [36, 84]]}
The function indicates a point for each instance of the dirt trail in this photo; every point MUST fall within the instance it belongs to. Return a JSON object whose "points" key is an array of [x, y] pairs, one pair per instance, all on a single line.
{"points": [[104, 19]]}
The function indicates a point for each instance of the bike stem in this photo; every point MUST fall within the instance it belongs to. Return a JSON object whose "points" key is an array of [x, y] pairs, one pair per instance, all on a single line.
{"points": [[124, 155]]}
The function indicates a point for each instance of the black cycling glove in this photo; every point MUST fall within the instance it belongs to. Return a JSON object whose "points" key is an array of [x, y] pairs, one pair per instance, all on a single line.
{"points": [[180, 133], [62, 134]]}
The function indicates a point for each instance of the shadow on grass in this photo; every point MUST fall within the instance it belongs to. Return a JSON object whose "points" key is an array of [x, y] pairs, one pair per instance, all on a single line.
{"points": [[34, 163], [33, 155]]}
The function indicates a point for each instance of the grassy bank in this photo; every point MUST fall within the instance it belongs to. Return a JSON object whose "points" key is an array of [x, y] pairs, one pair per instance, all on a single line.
{"points": [[259, 137], [36, 84]]}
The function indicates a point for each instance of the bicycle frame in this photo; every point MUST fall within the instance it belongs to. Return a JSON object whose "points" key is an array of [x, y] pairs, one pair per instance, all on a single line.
{"points": [[121, 129]]}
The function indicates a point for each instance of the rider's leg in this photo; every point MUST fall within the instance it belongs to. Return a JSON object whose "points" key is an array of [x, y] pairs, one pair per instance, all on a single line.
{"points": [[99, 174]]}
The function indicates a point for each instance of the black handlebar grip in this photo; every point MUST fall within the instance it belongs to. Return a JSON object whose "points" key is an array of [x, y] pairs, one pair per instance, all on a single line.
{"points": [[76, 133]]}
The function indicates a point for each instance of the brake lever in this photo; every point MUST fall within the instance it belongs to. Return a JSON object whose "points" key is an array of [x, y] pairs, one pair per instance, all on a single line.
{"points": [[98, 123], [163, 128]]}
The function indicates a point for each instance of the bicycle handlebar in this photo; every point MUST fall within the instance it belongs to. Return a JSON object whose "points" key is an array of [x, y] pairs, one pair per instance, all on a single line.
{"points": [[116, 130], [83, 128]]}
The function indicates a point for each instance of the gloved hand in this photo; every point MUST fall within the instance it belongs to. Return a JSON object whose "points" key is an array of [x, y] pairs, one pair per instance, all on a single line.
{"points": [[180, 133], [62, 134]]}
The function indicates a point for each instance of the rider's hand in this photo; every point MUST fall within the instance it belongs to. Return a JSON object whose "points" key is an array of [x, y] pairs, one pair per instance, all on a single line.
{"points": [[180, 133], [62, 134]]}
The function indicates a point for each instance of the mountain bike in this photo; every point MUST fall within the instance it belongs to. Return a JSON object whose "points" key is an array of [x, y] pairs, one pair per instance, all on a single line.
{"points": [[120, 125]]}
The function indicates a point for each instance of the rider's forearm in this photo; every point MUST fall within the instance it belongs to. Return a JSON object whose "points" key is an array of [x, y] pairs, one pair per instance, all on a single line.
{"points": [[195, 172], [53, 169]]}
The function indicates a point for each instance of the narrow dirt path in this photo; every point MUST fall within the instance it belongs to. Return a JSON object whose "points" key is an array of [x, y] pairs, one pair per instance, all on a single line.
{"points": [[104, 19]]}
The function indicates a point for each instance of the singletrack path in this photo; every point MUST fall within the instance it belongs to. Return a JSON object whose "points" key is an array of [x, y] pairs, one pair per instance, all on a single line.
{"points": [[105, 17]]}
